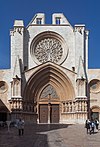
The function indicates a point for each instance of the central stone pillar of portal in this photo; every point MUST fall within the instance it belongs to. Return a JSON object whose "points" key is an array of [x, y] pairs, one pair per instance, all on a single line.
{"points": [[49, 107]]}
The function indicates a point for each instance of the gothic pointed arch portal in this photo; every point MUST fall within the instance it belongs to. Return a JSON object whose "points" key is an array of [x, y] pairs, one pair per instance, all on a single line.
{"points": [[49, 112], [45, 92]]}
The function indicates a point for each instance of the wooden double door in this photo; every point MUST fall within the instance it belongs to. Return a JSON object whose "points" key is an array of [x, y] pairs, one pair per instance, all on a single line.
{"points": [[49, 113]]}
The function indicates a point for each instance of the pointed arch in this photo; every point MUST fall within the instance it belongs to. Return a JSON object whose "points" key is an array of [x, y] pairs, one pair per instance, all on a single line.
{"points": [[48, 90], [48, 74]]}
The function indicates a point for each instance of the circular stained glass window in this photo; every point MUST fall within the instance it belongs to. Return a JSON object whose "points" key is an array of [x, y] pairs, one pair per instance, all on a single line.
{"points": [[94, 86], [3, 86]]}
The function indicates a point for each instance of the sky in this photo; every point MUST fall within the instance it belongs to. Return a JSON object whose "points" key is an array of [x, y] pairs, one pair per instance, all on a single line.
{"points": [[76, 11]]}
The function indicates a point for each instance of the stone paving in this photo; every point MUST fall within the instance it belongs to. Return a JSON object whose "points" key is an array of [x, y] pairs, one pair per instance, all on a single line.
{"points": [[49, 135]]}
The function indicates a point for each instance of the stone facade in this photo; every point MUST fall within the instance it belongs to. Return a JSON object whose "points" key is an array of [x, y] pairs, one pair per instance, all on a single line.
{"points": [[49, 80]]}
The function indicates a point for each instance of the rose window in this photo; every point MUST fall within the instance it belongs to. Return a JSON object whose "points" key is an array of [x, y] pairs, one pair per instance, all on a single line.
{"points": [[48, 49]]}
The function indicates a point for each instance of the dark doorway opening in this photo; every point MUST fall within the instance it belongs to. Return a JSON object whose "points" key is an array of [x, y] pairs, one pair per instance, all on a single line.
{"points": [[95, 115], [3, 116]]}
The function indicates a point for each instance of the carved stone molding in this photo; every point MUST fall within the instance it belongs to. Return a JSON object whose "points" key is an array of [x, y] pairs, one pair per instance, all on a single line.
{"points": [[94, 86], [3, 86]]}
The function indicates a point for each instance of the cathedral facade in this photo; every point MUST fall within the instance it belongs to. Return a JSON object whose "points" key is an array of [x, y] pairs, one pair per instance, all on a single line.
{"points": [[49, 80]]}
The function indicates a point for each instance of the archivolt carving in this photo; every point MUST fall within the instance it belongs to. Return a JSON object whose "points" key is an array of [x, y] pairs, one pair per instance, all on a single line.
{"points": [[37, 86], [48, 49]]}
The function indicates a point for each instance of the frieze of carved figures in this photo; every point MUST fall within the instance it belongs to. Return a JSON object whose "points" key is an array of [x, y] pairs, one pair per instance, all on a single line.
{"points": [[48, 49]]}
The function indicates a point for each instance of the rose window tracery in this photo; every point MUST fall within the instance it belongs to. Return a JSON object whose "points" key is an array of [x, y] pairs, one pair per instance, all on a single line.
{"points": [[48, 49]]}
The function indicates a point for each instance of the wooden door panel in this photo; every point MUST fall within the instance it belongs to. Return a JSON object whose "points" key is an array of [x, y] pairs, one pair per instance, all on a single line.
{"points": [[43, 115], [55, 113]]}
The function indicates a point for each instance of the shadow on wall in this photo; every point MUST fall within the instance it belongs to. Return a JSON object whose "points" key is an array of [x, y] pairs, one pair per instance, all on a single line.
{"points": [[3, 111]]}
